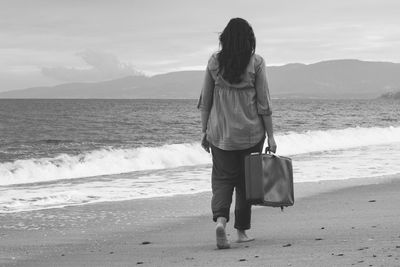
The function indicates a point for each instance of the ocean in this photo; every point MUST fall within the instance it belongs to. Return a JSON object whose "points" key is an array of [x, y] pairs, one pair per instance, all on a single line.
{"points": [[57, 153]]}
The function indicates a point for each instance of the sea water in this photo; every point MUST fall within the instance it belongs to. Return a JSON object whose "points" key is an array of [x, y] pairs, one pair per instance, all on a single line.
{"points": [[56, 153]]}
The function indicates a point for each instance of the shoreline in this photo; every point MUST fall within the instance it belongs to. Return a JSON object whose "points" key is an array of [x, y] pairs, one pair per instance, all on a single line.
{"points": [[111, 233], [302, 189]]}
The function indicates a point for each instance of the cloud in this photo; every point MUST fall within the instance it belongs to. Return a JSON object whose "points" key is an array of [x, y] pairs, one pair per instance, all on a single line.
{"points": [[103, 66]]}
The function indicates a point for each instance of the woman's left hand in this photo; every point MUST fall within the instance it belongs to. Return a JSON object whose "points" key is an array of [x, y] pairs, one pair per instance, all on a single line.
{"points": [[205, 144]]}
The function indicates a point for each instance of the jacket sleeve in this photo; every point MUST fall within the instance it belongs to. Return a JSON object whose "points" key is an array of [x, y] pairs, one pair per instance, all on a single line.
{"points": [[206, 96], [261, 85]]}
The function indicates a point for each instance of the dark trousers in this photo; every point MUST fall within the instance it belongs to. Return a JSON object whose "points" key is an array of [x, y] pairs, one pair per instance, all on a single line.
{"points": [[228, 174]]}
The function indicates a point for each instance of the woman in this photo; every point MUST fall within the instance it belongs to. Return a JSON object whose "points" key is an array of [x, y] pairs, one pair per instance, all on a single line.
{"points": [[236, 116]]}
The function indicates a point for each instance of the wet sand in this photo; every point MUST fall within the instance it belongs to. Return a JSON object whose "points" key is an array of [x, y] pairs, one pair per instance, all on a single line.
{"points": [[347, 225]]}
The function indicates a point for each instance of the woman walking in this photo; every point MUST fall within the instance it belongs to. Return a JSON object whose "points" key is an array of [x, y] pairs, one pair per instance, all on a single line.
{"points": [[236, 117]]}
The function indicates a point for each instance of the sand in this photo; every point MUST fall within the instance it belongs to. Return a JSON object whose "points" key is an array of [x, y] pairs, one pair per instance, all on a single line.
{"points": [[346, 225]]}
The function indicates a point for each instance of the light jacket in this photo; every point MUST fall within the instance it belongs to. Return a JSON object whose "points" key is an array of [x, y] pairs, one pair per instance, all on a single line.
{"points": [[235, 120]]}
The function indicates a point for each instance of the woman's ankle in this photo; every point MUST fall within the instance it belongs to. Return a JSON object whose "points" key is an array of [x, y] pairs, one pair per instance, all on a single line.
{"points": [[241, 232], [221, 220]]}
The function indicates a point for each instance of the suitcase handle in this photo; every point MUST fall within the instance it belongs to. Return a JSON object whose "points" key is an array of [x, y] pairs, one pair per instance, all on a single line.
{"points": [[268, 150]]}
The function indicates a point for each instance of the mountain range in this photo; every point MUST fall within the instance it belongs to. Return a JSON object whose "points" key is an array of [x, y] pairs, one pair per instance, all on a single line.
{"points": [[347, 78]]}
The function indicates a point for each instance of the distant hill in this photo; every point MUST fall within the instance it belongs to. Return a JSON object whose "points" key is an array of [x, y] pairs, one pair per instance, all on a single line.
{"points": [[326, 79], [391, 95]]}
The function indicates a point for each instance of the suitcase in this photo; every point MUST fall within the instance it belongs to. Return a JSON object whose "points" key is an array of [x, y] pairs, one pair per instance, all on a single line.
{"points": [[269, 180]]}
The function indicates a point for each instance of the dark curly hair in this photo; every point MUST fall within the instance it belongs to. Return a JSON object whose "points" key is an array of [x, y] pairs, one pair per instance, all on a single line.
{"points": [[238, 44]]}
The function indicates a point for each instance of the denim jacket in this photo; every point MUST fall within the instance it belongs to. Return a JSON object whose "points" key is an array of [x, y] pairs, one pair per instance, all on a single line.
{"points": [[235, 120]]}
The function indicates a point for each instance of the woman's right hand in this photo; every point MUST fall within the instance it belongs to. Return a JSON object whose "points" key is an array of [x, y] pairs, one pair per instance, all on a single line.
{"points": [[272, 144], [205, 144]]}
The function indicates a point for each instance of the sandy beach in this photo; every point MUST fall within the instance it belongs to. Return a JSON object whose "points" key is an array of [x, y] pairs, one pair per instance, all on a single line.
{"points": [[346, 225]]}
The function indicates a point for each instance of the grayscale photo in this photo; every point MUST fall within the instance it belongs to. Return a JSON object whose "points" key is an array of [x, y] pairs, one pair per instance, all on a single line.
{"points": [[199, 133]]}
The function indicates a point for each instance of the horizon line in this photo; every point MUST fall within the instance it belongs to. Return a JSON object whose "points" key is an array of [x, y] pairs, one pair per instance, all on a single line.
{"points": [[187, 70]]}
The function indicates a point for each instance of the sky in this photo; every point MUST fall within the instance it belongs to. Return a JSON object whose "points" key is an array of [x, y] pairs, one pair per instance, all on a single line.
{"points": [[48, 42]]}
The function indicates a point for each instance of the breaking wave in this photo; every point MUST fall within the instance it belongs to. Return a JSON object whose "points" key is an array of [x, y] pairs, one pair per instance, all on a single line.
{"points": [[115, 161]]}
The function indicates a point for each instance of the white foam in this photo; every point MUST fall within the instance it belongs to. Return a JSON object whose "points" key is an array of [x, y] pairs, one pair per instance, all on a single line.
{"points": [[360, 162], [114, 161], [101, 162], [121, 187], [314, 141]]}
